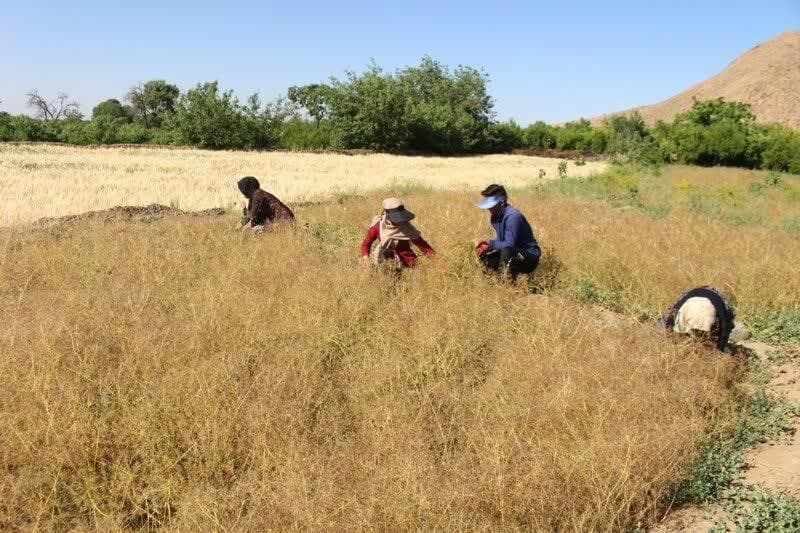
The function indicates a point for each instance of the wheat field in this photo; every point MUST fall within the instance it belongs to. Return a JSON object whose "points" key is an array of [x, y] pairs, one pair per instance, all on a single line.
{"points": [[47, 181]]}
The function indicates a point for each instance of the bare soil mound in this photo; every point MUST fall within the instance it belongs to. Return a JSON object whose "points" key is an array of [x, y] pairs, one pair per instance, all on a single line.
{"points": [[130, 213], [767, 77]]}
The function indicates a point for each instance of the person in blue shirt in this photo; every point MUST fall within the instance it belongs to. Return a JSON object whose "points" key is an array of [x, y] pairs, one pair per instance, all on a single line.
{"points": [[514, 250]]}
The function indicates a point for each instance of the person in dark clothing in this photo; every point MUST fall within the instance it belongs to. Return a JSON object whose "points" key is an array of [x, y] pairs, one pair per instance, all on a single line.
{"points": [[263, 208], [514, 249], [702, 312]]}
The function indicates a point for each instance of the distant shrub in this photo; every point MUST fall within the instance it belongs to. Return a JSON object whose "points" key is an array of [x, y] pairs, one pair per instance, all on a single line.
{"points": [[504, 137], [76, 131], [781, 149], [27, 128], [539, 136], [629, 135], [297, 133], [6, 127], [573, 135], [136, 134]]}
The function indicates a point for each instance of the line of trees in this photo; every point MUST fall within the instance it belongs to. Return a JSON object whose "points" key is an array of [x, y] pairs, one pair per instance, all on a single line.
{"points": [[427, 108]]}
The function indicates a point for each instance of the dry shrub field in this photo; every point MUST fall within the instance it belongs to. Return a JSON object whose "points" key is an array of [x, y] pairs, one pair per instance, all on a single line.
{"points": [[46, 181], [177, 374]]}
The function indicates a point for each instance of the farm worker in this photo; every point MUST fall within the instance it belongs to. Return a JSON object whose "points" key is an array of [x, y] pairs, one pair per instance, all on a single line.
{"points": [[263, 208], [514, 249], [701, 312], [395, 233]]}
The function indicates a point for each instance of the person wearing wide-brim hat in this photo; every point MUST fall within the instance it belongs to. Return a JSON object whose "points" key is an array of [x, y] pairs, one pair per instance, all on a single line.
{"points": [[395, 234], [514, 249]]}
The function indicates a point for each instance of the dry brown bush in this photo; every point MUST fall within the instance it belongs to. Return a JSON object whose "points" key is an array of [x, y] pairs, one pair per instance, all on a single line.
{"points": [[177, 374]]}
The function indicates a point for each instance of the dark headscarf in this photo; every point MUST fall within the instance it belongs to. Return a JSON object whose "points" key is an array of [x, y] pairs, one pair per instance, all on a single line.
{"points": [[248, 185], [725, 314]]}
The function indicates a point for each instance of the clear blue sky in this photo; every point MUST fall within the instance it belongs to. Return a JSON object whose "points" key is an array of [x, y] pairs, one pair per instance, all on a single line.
{"points": [[553, 60]]}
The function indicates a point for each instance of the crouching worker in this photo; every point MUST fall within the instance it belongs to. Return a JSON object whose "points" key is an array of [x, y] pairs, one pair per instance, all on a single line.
{"points": [[263, 208], [514, 249], [703, 313], [395, 234]]}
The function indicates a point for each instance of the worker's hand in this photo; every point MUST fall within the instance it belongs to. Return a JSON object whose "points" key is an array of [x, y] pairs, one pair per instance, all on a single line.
{"points": [[239, 226], [478, 242], [366, 261]]}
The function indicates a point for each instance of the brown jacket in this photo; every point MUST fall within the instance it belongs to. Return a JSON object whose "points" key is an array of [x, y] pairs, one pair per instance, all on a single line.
{"points": [[264, 208]]}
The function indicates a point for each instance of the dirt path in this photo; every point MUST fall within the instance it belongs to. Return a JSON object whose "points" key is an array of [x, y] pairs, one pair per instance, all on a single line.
{"points": [[774, 465]]}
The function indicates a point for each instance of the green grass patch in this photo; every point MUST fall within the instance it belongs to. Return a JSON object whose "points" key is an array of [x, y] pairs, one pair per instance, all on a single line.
{"points": [[765, 199], [777, 327], [756, 509]]}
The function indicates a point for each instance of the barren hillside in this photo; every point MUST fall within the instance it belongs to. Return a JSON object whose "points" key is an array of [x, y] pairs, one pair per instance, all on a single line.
{"points": [[767, 76]]}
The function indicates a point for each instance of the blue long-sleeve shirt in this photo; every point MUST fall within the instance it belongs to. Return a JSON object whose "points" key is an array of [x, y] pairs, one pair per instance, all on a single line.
{"points": [[513, 231]]}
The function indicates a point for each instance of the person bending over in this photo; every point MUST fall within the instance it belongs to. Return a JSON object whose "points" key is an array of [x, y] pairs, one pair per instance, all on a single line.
{"points": [[263, 208], [395, 234], [702, 312], [514, 249]]}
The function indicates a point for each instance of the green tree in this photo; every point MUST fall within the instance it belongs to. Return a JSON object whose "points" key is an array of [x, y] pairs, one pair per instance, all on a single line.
{"points": [[450, 111], [709, 112], [6, 127], [209, 118], [427, 107], [313, 98], [153, 102], [369, 110], [539, 136], [780, 148], [713, 132], [573, 135], [504, 137], [111, 109]]}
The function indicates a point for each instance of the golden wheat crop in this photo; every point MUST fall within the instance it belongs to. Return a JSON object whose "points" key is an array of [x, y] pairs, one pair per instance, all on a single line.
{"points": [[182, 375], [44, 181]]}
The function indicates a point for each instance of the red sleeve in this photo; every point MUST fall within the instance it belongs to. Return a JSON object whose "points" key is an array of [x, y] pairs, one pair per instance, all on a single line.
{"points": [[424, 247], [369, 238]]}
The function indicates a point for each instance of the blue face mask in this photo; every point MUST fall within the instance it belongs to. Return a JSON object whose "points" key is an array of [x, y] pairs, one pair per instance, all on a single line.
{"points": [[491, 201]]}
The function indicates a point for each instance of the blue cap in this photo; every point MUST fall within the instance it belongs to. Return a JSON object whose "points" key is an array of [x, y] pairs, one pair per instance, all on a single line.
{"points": [[491, 201]]}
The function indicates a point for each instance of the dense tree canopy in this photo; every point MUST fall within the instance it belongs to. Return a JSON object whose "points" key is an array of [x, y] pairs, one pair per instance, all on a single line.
{"points": [[425, 108]]}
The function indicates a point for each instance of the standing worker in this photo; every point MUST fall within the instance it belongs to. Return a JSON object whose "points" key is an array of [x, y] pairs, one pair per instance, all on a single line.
{"points": [[514, 249], [263, 208], [395, 233]]}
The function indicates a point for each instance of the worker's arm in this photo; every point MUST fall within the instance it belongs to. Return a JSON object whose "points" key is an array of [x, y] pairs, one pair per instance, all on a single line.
{"points": [[371, 236], [509, 239], [259, 211], [424, 247]]}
